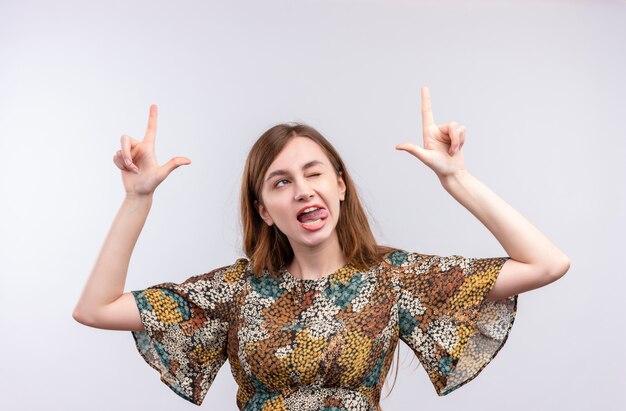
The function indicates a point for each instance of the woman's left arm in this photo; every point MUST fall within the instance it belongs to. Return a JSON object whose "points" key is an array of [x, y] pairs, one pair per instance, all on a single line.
{"points": [[534, 260]]}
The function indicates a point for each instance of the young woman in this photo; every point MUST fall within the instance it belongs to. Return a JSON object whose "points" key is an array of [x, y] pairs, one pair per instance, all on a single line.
{"points": [[310, 319]]}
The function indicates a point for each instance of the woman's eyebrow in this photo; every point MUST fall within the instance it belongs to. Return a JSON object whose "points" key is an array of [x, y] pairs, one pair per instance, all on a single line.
{"points": [[285, 172]]}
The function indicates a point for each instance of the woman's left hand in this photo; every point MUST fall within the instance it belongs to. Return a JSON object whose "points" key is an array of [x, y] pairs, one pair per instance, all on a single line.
{"points": [[442, 143]]}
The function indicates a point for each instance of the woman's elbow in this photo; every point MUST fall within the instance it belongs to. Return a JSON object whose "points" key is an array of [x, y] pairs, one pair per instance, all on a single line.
{"points": [[81, 318], [560, 269], [77, 316]]}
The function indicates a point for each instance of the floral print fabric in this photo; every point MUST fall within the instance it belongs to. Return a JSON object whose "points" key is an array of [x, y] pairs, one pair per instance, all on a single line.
{"points": [[325, 344]]}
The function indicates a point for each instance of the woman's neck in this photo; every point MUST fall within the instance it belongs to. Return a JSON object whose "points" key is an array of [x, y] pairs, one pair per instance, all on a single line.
{"points": [[317, 262]]}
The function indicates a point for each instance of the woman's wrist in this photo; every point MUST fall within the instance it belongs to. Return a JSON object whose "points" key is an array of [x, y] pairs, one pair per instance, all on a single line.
{"points": [[134, 197], [454, 178]]}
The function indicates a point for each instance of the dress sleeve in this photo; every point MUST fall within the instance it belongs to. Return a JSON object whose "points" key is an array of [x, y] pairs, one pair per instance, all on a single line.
{"points": [[186, 328], [444, 315]]}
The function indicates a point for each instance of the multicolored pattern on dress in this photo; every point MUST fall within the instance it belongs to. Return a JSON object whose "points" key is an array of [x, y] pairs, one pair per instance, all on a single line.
{"points": [[325, 344]]}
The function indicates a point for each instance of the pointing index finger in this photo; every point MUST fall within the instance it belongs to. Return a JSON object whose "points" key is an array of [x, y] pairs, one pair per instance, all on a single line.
{"points": [[427, 114], [152, 123]]}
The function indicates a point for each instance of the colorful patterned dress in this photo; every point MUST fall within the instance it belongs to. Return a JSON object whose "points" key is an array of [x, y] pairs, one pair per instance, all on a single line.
{"points": [[324, 344]]}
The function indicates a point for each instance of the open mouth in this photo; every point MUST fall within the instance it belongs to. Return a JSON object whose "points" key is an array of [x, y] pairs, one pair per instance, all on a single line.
{"points": [[312, 216]]}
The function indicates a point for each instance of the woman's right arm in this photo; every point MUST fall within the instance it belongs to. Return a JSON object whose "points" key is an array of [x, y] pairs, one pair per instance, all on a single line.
{"points": [[103, 303]]}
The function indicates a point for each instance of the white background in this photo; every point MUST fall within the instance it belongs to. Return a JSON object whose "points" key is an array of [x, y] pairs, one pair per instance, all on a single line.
{"points": [[538, 84]]}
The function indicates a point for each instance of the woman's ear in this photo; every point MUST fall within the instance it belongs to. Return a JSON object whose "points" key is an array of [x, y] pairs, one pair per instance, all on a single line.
{"points": [[342, 187], [263, 213]]}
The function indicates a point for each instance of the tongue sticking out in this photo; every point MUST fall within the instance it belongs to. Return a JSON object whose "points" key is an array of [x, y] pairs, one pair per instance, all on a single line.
{"points": [[312, 216]]}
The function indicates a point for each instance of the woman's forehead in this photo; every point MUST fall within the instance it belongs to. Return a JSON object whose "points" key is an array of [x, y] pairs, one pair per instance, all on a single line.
{"points": [[299, 153]]}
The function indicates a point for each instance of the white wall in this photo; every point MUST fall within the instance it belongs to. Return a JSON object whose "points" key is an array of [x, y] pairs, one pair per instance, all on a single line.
{"points": [[538, 84]]}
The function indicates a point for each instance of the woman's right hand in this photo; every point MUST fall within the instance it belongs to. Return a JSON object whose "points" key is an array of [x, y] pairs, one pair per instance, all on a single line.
{"points": [[141, 173]]}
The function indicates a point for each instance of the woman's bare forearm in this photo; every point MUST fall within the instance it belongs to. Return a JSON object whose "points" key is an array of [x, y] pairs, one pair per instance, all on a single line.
{"points": [[108, 276], [521, 240]]}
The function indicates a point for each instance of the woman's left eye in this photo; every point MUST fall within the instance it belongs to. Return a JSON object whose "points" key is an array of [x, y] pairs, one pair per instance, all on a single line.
{"points": [[280, 181]]}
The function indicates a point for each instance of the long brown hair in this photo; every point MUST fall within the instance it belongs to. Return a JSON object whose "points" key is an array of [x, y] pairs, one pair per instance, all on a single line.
{"points": [[267, 247]]}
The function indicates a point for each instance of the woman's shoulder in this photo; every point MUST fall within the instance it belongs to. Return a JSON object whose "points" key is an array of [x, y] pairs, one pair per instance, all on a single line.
{"points": [[240, 270], [403, 258], [231, 273]]}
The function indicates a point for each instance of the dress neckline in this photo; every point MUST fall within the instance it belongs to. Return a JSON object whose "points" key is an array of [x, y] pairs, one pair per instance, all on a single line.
{"points": [[345, 269]]}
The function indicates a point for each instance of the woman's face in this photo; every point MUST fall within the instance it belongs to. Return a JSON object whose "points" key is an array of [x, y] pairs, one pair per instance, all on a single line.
{"points": [[302, 176]]}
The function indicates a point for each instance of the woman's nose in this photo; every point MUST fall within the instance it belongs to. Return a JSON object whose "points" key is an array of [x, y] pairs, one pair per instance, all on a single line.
{"points": [[304, 191], [304, 196]]}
